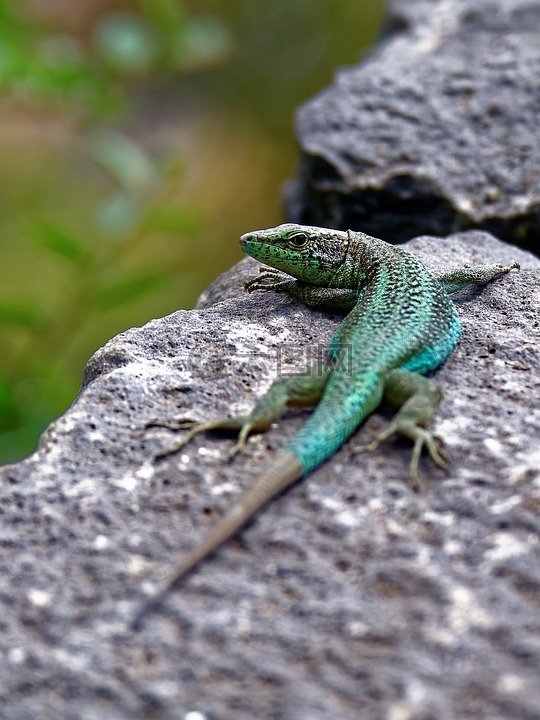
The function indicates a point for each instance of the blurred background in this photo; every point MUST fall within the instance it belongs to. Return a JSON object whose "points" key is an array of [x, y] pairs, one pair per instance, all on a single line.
{"points": [[138, 141]]}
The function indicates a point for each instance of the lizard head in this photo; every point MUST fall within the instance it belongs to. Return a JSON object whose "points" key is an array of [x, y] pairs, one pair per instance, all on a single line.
{"points": [[311, 254]]}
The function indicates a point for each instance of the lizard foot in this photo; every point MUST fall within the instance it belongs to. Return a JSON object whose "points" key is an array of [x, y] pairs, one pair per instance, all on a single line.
{"points": [[269, 279], [241, 423], [421, 438]]}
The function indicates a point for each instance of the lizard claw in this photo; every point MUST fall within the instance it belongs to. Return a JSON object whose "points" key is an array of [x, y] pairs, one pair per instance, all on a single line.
{"points": [[269, 279], [242, 437], [375, 443], [190, 425], [421, 438], [241, 423], [435, 449], [180, 425], [193, 426], [194, 429], [441, 451]]}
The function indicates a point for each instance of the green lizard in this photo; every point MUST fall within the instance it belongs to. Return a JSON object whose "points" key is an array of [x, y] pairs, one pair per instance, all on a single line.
{"points": [[401, 324]]}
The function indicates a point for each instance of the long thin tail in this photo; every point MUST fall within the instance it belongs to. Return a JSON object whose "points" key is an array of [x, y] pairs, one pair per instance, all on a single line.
{"points": [[283, 472]]}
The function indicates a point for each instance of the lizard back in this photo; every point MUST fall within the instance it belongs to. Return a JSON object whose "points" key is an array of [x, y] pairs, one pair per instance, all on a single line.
{"points": [[403, 319]]}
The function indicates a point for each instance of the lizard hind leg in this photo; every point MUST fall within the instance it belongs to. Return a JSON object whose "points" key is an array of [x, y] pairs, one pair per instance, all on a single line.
{"points": [[239, 422], [417, 398], [301, 390]]}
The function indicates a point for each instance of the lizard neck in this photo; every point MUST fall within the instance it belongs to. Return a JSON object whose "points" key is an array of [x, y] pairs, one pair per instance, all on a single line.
{"points": [[363, 257]]}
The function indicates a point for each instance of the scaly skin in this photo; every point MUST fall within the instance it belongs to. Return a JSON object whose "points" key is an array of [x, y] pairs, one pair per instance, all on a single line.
{"points": [[401, 324]]}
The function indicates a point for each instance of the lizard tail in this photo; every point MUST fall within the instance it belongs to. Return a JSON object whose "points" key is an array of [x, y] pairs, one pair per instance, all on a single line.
{"points": [[283, 472]]}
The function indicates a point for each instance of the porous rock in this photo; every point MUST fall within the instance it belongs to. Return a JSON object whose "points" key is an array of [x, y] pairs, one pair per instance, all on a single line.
{"points": [[435, 131], [348, 597]]}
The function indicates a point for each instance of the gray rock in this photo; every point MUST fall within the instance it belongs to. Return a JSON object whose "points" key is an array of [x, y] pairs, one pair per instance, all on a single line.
{"points": [[347, 597], [435, 131]]}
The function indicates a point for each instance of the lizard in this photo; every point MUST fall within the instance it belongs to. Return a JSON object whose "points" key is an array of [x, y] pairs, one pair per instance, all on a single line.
{"points": [[400, 325]]}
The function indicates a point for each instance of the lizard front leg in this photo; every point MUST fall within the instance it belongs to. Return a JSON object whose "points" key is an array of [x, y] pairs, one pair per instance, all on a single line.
{"points": [[340, 299], [455, 280], [417, 397], [300, 390]]}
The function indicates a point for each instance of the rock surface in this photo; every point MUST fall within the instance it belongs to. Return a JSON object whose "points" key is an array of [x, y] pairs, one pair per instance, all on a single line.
{"points": [[435, 131], [349, 597]]}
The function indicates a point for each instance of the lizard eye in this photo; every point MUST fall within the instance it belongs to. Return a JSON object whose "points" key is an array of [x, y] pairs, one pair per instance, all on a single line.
{"points": [[299, 240]]}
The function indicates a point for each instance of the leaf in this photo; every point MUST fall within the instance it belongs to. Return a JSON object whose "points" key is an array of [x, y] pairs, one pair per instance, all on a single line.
{"points": [[59, 241], [118, 215], [125, 161], [19, 314], [127, 42], [203, 43]]}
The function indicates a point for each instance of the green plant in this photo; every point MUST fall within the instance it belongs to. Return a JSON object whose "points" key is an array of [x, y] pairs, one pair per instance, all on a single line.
{"points": [[81, 261]]}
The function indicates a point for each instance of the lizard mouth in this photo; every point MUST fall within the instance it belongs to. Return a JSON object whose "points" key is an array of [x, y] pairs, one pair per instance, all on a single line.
{"points": [[250, 243], [246, 238]]}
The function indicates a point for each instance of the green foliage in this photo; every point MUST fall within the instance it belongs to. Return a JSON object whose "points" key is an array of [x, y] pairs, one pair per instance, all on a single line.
{"points": [[94, 232], [58, 241], [102, 267], [162, 36], [96, 253], [38, 66], [56, 67]]}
